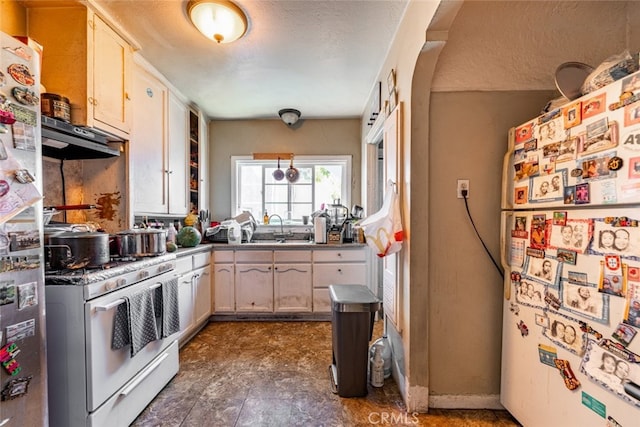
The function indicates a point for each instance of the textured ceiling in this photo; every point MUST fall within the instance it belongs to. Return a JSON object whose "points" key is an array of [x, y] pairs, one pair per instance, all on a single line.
{"points": [[321, 57]]}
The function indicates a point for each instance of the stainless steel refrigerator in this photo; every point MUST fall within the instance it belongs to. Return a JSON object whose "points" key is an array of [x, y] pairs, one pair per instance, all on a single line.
{"points": [[23, 375], [571, 252]]}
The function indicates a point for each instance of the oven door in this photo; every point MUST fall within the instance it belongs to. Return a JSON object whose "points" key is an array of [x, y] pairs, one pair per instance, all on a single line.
{"points": [[108, 369]]}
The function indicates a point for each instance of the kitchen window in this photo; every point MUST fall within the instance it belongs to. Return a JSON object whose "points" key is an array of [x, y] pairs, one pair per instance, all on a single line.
{"points": [[322, 180]]}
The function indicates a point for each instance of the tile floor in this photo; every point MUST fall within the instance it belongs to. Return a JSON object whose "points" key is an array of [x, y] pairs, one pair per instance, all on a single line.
{"points": [[276, 374]]}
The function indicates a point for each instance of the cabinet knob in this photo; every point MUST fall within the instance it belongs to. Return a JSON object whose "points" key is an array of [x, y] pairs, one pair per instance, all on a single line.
{"points": [[339, 270], [127, 97], [93, 101]]}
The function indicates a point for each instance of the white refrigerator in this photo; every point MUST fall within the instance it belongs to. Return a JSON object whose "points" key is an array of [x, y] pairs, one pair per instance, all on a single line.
{"points": [[23, 374], [570, 247]]}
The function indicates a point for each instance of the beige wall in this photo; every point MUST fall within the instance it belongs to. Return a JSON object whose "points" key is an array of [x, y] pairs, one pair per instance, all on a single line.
{"points": [[12, 18], [244, 137], [465, 289]]}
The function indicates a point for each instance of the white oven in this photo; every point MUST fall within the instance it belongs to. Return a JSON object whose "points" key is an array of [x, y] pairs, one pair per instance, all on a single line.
{"points": [[90, 383]]}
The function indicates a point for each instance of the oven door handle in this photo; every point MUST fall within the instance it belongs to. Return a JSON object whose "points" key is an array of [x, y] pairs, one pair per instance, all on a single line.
{"points": [[144, 374], [120, 301]]}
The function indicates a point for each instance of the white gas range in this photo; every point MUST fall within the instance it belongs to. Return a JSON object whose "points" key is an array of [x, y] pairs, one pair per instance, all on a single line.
{"points": [[91, 381]]}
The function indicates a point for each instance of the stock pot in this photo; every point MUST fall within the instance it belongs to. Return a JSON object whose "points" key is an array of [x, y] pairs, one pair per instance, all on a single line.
{"points": [[69, 249], [141, 242]]}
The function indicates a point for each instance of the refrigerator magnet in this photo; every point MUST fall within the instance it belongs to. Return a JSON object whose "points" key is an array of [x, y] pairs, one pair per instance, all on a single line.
{"points": [[27, 295], [593, 106], [7, 292], [586, 328], [634, 168], [524, 330], [582, 194], [566, 256], [570, 195], [520, 196], [624, 334], [572, 115], [524, 132], [21, 74], [16, 388], [570, 380], [547, 355]]}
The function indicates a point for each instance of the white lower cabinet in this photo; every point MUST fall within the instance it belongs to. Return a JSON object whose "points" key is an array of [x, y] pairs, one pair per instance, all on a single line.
{"points": [[254, 281], [194, 292], [344, 266], [224, 298], [283, 281], [292, 281]]}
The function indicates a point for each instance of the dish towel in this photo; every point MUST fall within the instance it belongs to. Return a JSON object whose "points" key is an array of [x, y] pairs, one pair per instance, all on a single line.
{"points": [[135, 322], [169, 316]]}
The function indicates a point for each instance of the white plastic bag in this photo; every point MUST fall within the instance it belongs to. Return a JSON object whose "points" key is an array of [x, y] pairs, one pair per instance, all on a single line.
{"points": [[383, 230]]}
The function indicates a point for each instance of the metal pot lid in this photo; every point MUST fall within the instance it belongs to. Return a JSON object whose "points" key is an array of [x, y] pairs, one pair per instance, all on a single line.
{"points": [[80, 235], [569, 78], [292, 173]]}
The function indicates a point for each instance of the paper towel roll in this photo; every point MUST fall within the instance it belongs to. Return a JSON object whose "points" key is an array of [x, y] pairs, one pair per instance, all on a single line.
{"points": [[320, 229]]}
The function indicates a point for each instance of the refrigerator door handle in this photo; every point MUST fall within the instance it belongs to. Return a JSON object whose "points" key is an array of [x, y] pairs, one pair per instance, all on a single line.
{"points": [[507, 194], [505, 222]]}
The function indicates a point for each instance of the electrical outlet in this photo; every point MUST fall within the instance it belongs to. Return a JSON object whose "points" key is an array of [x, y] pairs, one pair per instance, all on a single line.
{"points": [[463, 184]]}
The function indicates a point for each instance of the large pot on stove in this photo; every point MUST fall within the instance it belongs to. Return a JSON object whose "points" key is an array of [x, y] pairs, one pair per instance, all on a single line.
{"points": [[140, 242], [71, 249]]}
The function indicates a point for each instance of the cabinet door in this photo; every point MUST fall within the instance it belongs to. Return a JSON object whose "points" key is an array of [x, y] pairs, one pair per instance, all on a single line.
{"points": [[111, 65], [202, 294], [148, 145], [254, 287], [224, 293], [185, 303], [292, 287], [177, 156]]}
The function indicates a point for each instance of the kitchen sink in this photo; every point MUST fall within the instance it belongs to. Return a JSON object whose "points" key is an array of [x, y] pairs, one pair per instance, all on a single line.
{"points": [[280, 242]]}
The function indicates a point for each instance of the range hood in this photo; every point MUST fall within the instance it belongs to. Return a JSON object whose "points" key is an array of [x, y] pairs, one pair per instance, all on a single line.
{"points": [[61, 140]]}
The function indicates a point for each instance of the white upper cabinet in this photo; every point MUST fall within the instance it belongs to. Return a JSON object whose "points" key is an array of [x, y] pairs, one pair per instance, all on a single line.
{"points": [[158, 148], [86, 61]]}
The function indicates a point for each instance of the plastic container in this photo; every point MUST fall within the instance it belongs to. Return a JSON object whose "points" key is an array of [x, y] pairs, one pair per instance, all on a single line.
{"points": [[385, 351], [171, 233], [377, 368]]}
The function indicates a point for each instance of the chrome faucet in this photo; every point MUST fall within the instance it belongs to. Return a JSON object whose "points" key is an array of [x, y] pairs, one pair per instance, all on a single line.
{"points": [[281, 224]]}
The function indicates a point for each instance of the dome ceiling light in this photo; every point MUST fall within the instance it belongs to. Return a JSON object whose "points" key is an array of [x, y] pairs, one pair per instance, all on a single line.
{"points": [[289, 116], [219, 20]]}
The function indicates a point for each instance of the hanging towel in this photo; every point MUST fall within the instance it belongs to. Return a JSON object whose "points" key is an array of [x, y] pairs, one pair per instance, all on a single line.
{"points": [[135, 322], [170, 315]]}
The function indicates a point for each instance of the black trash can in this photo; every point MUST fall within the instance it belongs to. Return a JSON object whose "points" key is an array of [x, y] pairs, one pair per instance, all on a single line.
{"points": [[353, 308]]}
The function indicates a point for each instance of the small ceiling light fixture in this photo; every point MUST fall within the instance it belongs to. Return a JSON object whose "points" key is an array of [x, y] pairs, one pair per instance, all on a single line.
{"points": [[289, 116], [219, 20]]}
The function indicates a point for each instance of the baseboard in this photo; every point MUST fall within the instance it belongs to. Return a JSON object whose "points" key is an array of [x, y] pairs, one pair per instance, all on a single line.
{"points": [[474, 401]]}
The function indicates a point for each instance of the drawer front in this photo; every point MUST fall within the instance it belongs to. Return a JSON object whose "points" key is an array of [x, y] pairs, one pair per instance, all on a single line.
{"points": [[201, 259], [254, 256], [184, 264], [292, 256], [339, 255], [339, 274], [222, 256]]}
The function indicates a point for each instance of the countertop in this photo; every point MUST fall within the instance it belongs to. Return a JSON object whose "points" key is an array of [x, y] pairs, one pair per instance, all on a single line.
{"points": [[287, 245]]}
